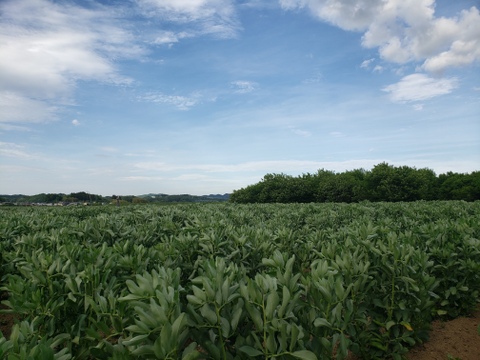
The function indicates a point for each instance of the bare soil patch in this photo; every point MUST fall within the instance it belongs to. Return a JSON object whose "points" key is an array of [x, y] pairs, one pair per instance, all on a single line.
{"points": [[6, 320], [455, 339]]}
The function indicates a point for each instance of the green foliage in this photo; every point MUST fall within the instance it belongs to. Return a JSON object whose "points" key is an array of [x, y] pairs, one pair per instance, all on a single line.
{"points": [[383, 183], [230, 281], [161, 328], [216, 308]]}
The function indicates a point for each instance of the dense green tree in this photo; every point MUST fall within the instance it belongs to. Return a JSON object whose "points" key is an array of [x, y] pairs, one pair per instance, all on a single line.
{"points": [[389, 183], [85, 197], [139, 200], [383, 183], [426, 184], [325, 181], [454, 186], [54, 198], [346, 187]]}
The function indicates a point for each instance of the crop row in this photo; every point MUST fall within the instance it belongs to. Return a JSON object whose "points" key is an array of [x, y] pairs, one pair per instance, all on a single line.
{"points": [[226, 281]]}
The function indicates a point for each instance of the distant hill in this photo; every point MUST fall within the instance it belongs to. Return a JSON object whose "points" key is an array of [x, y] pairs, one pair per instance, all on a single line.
{"points": [[83, 197], [185, 198]]}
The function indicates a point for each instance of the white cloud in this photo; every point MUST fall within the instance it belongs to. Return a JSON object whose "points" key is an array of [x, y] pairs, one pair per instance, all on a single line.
{"points": [[14, 150], [302, 133], [8, 127], [258, 4], [47, 47], [75, 122], [216, 17], [180, 102], [15, 108], [366, 63], [243, 87], [166, 37], [170, 37], [419, 87], [458, 38], [418, 107], [349, 15], [404, 30]]}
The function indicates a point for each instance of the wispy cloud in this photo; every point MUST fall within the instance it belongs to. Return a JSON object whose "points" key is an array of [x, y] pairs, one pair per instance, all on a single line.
{"points": [[316, 78], [420, 87], [262, 167], [215, 17], [300, 132], [47, 47], [366, 63], [15, 151], [16, 108], [9, 127], [180, 102], [243, 86], [170, 37]]}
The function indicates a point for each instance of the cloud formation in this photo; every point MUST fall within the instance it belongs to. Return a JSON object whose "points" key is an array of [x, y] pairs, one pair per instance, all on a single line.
{"points": [[243, 86], [253, 166], [47, 47], [215, 17], [404, 30], [366, 63], [420, 87], [17, 108], [14, 150], [170, 37], [180, 102]]}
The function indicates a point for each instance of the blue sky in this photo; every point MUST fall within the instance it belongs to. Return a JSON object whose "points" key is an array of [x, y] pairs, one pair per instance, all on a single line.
{"points": [[208, 96]]}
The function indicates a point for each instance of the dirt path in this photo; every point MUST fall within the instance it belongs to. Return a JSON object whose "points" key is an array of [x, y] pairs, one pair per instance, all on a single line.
{"points": [[456, 339]]}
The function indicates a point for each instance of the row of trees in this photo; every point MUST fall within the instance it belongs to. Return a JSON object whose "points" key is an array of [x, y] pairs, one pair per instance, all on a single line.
{"points": [[52, 198], [383, 183]]}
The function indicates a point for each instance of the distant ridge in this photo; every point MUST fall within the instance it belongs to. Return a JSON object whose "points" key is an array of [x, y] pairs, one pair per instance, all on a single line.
{"points": [[185, 197], [56, 198]]}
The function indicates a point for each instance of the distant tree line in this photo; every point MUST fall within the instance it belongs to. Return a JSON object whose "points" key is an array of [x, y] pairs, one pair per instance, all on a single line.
{"points": [[84, 197], [182, 198], [52, 198], [383, 183]]}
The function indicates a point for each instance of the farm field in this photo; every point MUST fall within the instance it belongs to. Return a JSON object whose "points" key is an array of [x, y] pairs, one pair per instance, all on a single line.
{"points": [[225, 281]]}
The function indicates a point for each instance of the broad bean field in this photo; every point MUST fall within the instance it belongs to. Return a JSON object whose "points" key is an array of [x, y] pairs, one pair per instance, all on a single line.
{"points": [[230, 281]]}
